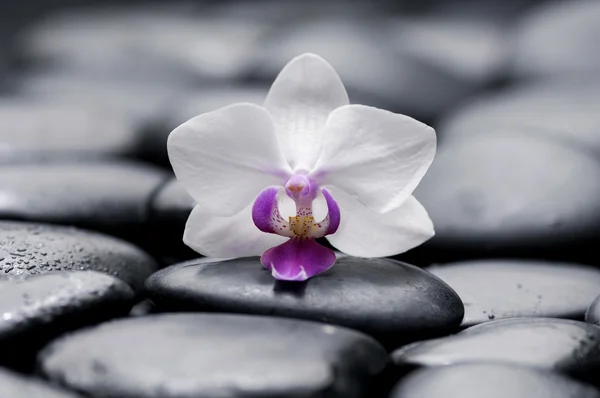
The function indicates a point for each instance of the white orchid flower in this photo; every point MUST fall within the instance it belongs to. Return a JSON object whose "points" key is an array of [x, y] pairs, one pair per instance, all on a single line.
{"points": [[245, 164]]}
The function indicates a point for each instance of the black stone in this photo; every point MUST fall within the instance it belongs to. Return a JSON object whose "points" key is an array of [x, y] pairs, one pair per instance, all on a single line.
{"points": [[111, 197], [13, 385], [213, 356], [38, 131], [563, 345], [390, 300], [512, 195], [43, 306], [138, 103], [566, 109], [592, 315], [490, 381], [558, 39], [497, 289], [29, 249]]}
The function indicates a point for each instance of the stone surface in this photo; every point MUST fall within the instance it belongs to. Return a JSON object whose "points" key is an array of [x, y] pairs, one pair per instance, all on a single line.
{"points": [[592, 315], [490, 381], [512, 194], [559, 38], [28, 249], [562, 345], [13, 385], [33, 131], [214, 355], [111, 197], [496, 289], [385, 298], [41, 307], [564, 109]]}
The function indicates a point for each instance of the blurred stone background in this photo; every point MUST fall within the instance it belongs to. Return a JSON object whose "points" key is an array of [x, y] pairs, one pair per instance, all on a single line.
{"points": [[89, 91]]}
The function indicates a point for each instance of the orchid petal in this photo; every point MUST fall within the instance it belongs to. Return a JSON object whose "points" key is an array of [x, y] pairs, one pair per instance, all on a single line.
{"points": [[331, 222], [304, 93], [226, 157], [235, 236], [298, 259], [365, 233], [375, 155], [266, 215]]}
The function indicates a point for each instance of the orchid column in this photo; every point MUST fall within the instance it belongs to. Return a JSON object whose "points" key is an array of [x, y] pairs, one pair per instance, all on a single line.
{"points": [[262, 176]]}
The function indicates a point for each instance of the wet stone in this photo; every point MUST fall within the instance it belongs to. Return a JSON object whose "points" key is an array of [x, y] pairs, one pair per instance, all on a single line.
{"points": [[40, 307], [558, 38], [13, 385], [512, 194], [592, 315], [497, 289], [567, 346], [565, 109], [214, 356], [37, 131], [112, 197], [490, 381], [30, 249], [390, 300]]}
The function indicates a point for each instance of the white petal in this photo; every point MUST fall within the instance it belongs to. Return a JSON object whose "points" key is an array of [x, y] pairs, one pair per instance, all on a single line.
{"points": [[306, 91], [226, 157], [375, 155], [365, 233], [235, 236]]}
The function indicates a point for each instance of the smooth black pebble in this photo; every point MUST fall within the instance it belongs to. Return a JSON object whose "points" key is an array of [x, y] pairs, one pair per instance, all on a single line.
{"points": [[40, 307], [490, 381], [512, 194], [14, 385], [40, 131], [111, 197], [388, 299], [567, 346], [214, 356], [497, 289], [29, 249], [565, 109], [557, 39]]}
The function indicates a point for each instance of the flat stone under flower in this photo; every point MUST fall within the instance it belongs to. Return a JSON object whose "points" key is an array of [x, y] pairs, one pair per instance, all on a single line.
{"points": [[393, 301]]}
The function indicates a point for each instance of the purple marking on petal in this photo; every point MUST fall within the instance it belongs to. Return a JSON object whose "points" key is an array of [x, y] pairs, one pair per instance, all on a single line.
{"points": [[333, 214], [298, 259], [266, 216]]}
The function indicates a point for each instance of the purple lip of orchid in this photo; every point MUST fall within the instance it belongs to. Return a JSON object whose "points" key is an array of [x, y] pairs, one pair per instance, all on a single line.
{"points": [[301, 257]]}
